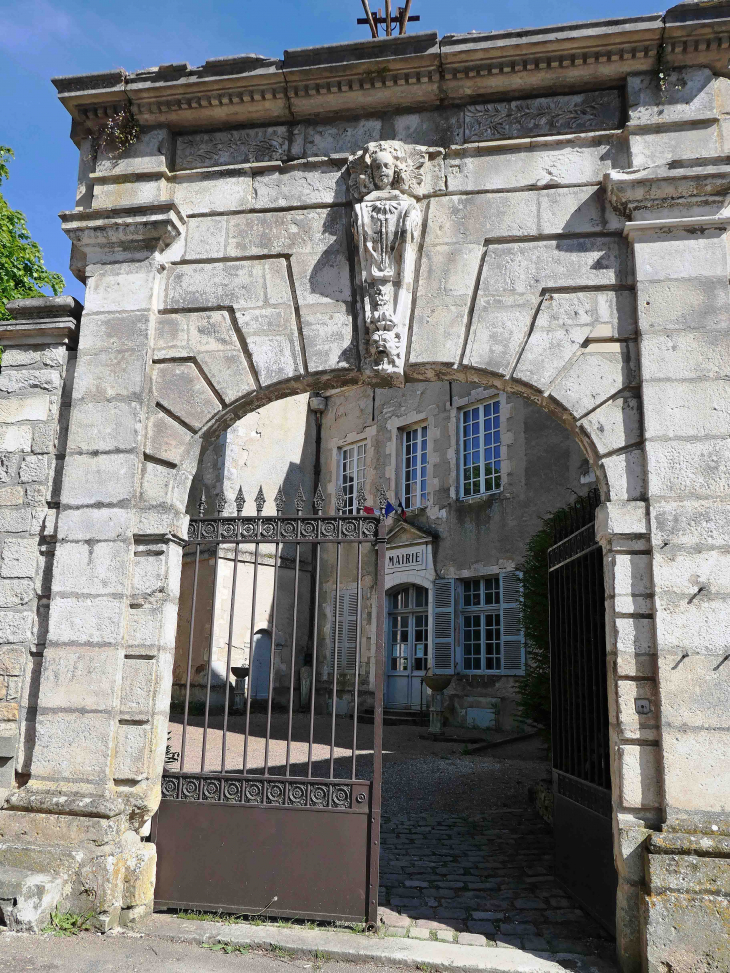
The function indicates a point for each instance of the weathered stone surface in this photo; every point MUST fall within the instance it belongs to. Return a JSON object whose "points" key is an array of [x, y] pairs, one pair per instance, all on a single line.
{"points": [[523, 279], [542, 116]]}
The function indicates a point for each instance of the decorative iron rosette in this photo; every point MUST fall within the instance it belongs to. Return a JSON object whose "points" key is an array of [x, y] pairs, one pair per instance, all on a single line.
{"points": [[248, 529], [369, 528], [268, 529], [318, 795], [349, 528], [190, 789], [232, 790], [341, 795], [228, 530], [274, 792], [308, 529], [208, 530], [211, 790], [328, 528], [288, 530], [169, 788], [254, 792], [297, 795]]}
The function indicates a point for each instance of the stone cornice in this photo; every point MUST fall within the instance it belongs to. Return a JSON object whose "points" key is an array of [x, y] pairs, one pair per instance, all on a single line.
{"points": [[42, 321], [148, 227], [692, 184], [394, 73]]}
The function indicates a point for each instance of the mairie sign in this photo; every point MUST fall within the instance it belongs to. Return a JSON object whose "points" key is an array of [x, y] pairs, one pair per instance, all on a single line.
{"points": [[406, 559]]}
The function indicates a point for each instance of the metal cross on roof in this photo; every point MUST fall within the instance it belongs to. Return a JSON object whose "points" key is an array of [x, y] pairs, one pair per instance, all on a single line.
{"points": [[375, 19]]}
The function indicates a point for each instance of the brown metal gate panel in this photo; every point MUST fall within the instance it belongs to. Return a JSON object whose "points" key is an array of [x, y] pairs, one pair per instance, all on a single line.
{"points": [[286, 861], [238, 837], [579, 703]]}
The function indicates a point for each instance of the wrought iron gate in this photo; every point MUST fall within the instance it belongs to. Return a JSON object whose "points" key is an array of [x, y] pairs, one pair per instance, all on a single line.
{"points": [[579, 698], [240, 838]]}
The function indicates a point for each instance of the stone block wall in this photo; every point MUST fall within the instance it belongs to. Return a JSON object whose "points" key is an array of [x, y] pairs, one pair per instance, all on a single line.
{"points": [[36, 380]]}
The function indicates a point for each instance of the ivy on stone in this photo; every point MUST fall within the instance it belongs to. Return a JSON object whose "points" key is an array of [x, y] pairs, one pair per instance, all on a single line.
{"points": [[22, 271], [533, 691]]}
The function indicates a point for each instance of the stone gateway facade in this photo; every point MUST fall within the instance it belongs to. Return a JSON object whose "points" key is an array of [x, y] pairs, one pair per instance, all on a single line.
{"points": [[566, 242]]}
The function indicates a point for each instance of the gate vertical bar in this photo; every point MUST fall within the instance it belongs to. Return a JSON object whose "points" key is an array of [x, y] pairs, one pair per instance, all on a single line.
{"points": [[259, 501], [272, 653], [221, 506], [190, 658], [374, 871], [228, 658], [334, 662], [299, 501], [317, 503], [358, 646]]}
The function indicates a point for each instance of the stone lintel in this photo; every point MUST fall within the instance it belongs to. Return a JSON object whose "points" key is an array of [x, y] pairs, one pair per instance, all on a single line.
{"points": [[147, 227], [52, 801], [42, 321], [700, 184], [391, 73]]}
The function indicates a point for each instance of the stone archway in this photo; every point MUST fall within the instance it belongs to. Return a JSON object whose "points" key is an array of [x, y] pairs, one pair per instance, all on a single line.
{"points": [[546, 265]]}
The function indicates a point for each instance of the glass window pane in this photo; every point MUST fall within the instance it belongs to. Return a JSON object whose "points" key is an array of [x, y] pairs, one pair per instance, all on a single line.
{"points": [[492, 643], [472, 631], [491, 591]]}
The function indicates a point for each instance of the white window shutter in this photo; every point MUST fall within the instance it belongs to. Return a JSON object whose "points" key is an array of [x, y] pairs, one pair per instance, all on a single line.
{"points": [[346, 631], [443, 625], [513, 638]]}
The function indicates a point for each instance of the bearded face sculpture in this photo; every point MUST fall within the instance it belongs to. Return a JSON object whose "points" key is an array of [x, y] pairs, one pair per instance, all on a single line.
{"points": [[384, 178]]}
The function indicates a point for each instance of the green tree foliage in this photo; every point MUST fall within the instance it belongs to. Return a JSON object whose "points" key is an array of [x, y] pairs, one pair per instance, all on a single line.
{"points": [[22, 271], [534, 688]]}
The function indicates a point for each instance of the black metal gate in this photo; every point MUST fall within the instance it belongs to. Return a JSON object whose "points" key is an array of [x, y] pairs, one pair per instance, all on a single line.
{"points": [[580, 741], [230, 834]]}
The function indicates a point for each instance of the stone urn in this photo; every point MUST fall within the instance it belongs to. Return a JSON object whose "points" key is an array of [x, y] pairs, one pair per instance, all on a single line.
{"points": [[438, 685], [239, 688]]}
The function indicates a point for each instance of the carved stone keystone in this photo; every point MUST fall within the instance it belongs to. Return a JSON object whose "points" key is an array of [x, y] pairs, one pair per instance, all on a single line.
{"points": [[385, 177]]}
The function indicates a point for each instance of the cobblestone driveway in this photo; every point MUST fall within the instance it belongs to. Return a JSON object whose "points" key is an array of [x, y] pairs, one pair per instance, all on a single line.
{"points": [[487, 875], [465, 857]]}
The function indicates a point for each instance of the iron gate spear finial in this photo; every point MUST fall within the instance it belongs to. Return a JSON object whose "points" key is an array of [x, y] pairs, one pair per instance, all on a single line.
{"points": [[279, 501], [318, 501], [221, 503], [299, 499], [201, 505], [240, 501], [260, 501]]}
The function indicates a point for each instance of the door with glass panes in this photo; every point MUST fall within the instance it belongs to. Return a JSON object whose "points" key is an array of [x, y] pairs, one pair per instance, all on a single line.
{"points": [[408, 653]]}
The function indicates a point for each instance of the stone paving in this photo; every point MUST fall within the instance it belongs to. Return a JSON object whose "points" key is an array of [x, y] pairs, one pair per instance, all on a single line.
{"points": [[480, 879]]}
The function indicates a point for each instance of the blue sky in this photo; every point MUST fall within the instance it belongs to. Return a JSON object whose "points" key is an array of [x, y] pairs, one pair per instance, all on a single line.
{"points": [[40, 39]]}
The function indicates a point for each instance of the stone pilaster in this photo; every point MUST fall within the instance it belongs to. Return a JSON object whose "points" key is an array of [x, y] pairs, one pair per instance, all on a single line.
{"points": [[679, 235], [622, 528], [100, 735]]}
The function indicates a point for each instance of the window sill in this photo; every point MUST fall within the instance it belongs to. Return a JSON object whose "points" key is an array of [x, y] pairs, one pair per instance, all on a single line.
{"points": [[481, 496]]}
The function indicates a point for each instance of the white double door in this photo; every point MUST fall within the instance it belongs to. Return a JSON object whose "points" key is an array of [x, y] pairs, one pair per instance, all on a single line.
{"points": [[407, 649]]}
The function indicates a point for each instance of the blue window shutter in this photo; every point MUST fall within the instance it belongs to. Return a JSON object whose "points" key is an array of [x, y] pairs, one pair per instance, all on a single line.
{"points": [[347, 631], [513, 637], [443, 625]]}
